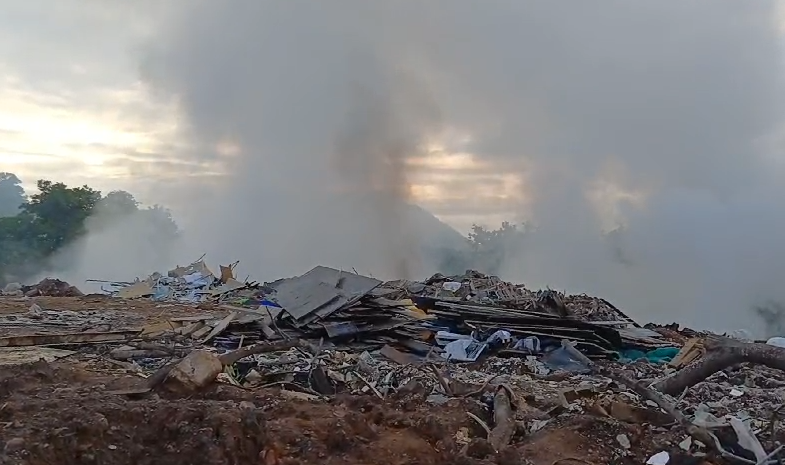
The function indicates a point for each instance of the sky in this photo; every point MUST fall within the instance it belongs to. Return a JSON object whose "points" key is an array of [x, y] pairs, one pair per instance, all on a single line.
{"points": [[291, 132], [78, 109]]}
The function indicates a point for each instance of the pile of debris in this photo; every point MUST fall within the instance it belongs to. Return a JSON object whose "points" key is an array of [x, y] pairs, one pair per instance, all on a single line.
{"points": [[729, 412], [46, 288], [458, 317], [331, 331], [190, 284]]}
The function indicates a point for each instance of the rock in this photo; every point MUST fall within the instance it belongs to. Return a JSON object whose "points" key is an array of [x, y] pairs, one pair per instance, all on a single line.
{"points": [[660, 458], [462, 436], [196, 371], [245, 405], [253, 377], [14, 444], [437, 399], [624, 441], [35, 311], [102, 422], [686, 444]]}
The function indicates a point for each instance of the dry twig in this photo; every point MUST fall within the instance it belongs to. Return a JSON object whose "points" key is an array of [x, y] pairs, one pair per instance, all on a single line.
{"points": [[481, 423], [442, 381]]}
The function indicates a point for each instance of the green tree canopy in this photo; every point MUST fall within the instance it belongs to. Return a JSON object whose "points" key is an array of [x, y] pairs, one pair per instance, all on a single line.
{"points": [[57, 215], [59, 212]]}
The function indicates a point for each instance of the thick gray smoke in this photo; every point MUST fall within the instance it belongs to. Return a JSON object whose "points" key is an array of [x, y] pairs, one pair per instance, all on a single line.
{"points": [[679, 103], [322, 123]]}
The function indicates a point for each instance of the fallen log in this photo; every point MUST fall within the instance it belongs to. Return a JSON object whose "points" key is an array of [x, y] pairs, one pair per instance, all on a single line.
{"points": [[696, 432], [231, 357], [722, 353]]}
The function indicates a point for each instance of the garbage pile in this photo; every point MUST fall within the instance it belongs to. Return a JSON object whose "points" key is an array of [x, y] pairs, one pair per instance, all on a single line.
{"points": [[530, 358], [457, 317], [732, 413], [189, 284], [48, 287]]}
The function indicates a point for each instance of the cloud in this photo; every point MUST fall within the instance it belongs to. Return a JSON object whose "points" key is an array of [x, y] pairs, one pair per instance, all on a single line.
{"points": [[70, 77]]}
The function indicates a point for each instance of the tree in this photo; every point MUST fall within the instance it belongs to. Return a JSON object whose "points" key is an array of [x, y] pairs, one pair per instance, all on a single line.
{"points": [[118, 203], [12, 196], [486, 249], [57, 216], [490, 247], [161, 221], [59, 213]]}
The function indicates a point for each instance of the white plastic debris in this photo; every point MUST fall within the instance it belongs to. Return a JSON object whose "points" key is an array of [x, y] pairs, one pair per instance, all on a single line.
{"points": [[747, 439], [451, 286], [686, 444], [530, 343], [742, 335], [464, 350], [776, 342], [660, 458], [445, 337], [736, 393], [499, 336]]}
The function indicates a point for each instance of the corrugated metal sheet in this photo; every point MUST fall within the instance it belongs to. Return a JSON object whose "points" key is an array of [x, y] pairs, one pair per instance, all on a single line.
{"points": [[321, 292]]}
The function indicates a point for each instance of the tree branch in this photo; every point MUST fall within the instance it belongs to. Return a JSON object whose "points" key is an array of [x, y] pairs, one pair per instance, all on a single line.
{"points": [[721, 354]]}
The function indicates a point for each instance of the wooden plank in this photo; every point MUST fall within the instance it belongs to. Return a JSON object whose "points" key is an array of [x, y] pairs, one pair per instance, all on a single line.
{"points": [[136, 290], [220, 327], [201, 332], [193, 318], [191, 329], [398, 357], [688, 353], [66, 338], [31, 354], [161, 327]]}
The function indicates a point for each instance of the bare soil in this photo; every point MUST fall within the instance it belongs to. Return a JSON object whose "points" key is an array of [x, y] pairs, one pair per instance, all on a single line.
{"points": [[64, 414]]}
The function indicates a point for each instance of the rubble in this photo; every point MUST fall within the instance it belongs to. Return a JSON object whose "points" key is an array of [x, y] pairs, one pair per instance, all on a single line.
{"points": [[528, 363], [47, 287]]}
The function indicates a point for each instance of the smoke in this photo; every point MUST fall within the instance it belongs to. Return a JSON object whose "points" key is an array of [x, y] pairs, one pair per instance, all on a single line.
{"points": [[313, 126], [663, 117], [119, 244]]}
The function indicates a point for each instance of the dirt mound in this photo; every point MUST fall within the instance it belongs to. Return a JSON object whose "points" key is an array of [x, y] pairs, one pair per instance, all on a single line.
{"points": [[61, 413], [54, 415]]}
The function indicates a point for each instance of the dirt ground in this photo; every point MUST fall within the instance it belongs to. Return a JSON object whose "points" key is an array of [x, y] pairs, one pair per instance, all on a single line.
{"points": [[61, 413], [66, 413]]}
